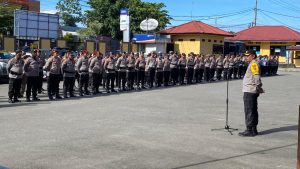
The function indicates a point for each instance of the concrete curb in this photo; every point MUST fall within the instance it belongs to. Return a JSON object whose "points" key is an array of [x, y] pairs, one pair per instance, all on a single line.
{"points": [[289, 69]]}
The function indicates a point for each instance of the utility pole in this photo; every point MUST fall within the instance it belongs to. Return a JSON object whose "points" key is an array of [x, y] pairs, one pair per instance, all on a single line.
{"points": [[255, 14]]}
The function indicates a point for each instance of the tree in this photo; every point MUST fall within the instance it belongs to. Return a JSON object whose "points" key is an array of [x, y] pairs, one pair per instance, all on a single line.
{"points": [[92, 31], [7, 18], [107, 12], [69, 11]]}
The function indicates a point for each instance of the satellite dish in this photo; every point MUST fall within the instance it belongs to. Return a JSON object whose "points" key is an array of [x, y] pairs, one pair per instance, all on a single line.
{"points": [[149, 24]]}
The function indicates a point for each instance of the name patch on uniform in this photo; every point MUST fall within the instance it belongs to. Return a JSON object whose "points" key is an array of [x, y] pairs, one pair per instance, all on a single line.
{"points": [[254, 69]]}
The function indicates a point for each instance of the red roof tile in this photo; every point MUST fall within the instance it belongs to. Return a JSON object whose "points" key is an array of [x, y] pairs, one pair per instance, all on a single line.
{"points": [[267, 33], [195, 27]]}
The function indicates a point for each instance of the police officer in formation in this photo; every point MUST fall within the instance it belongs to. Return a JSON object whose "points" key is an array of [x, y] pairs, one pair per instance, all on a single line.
{"points": [[53, 67], [132, 71], [140, 66], [68, 71], [31, 69], [190, 68], [15, 69]]}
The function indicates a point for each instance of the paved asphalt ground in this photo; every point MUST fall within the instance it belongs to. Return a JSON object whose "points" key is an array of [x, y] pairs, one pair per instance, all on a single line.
{"points": [[166, 128]]}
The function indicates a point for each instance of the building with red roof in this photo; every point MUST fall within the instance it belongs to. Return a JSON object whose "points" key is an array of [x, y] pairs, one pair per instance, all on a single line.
{"points": [[197, 37], [269, 40]]}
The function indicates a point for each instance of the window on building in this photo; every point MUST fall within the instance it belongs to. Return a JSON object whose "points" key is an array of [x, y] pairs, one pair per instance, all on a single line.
{"points": [[255, 48], [215, 41], [221, 41], [203, 40], [278, 50], [180, 39], [218, 49], [192, 39], [209, 40]]}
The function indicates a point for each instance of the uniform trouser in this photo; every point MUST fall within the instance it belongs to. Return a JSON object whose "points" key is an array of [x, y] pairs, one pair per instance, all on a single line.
{"points": [[235, 71], [250, 108], [219, 73], [181, 75], [117, 74], [100, 79], [53, 84], [23, 85], [77, 76], [190, 75], [166, 75], [104, 78], [83, 82], [225, 73], [206, 73], [95, 81], [110, 80], [159, 78], [212, 74], [240, 71], [230, 71], [276, 69], [151, 76], [244, 71], [141, 78], [130, 78], [14, 88], [174, 75], [196, 75], [201, 73], [32, 86], [121, 79], [68, 86], [40, 81]]}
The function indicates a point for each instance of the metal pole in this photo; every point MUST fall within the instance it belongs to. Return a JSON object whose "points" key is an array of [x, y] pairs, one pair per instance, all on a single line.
{"points": [[298, 154], [255, 13], [227, 102]]}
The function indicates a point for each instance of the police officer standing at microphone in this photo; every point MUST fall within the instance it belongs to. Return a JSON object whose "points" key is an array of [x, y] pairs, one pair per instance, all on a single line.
{"points": [[252, 87]]}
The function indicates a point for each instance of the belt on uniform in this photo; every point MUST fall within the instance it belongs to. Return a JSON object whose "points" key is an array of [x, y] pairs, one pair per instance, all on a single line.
{"points": [[15, 73], [65, 71], [83, 71]]}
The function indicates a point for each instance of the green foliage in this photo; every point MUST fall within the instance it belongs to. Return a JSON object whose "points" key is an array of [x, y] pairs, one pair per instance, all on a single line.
{"points": [[69, 37], [69, 11], [93, 30], [107, 12], [7, 18]]}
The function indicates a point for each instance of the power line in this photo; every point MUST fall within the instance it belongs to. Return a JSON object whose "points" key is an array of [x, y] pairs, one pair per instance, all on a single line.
{"points": [[297, 17], [279, 21], [213, 16]]}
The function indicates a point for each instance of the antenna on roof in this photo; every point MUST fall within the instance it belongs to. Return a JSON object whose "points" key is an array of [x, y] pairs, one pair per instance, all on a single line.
{"points": [[255, 13]]}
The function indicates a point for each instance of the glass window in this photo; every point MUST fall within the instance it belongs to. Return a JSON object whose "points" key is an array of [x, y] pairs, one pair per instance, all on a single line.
{"points": [[278, 50], [218, 49]]}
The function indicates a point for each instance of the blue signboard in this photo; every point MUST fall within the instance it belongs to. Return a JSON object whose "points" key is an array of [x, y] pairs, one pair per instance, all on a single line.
{"points": [[124, 11], [143, 38]]}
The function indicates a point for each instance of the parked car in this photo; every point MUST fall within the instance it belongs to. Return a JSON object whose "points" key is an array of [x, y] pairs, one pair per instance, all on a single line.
{"points": [[4, 56], [3, 71]]}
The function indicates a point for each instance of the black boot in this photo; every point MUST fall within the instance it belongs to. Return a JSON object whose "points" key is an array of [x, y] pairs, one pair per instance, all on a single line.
{"points": [[247, 133], [254, 130]]}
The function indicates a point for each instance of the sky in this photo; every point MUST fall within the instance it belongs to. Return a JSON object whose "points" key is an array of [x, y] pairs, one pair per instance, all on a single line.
{"points": [[229, 15]]}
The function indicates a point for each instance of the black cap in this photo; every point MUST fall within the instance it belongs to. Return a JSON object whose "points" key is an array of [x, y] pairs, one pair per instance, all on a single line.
{"points": [[18, 51], [250, 52]]}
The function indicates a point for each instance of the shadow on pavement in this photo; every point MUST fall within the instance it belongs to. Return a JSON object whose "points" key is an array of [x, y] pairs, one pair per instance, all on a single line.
{"points": [[1, 167], [279, 129], [23, 104], [232, 157]]}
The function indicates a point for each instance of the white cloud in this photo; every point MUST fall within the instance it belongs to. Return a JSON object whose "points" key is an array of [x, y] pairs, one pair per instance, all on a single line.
{"points": [[49, 11]]}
